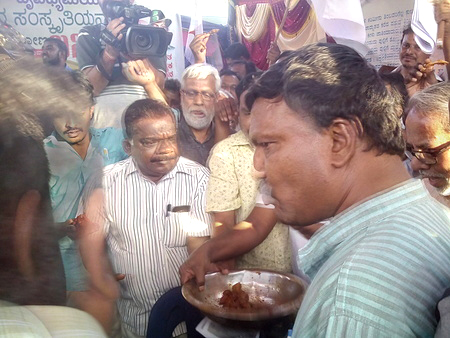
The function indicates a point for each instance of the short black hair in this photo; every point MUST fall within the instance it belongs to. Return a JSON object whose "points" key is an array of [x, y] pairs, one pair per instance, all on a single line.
{"points": [[408, 30], [145, 108], [397, 88], [246, 82], [228, 72], [60, 44], [329, 81], [173, 85], [84, 83], [236, 50], [249, 66]]}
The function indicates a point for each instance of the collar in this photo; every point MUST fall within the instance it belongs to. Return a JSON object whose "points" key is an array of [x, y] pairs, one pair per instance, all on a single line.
{"points": [[184, 127], [357, 218], [239, 139]]}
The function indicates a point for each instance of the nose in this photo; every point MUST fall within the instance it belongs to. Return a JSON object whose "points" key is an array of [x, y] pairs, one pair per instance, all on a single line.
{"points": [[258, 162], [198, 100], [165, 147]]}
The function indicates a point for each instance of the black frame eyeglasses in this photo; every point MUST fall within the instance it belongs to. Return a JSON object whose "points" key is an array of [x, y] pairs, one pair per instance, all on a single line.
{"points": [[428, 156]]}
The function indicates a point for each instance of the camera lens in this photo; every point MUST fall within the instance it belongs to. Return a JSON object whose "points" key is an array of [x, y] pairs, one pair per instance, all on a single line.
{"points": [[144, 41]]}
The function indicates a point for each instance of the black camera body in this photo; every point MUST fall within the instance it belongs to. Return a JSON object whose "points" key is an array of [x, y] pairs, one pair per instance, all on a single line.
{"points": [[139, 41]]}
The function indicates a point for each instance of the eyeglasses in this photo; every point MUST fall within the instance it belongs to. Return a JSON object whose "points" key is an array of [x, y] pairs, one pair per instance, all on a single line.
{"points": [[428, 156], [193, 93]]}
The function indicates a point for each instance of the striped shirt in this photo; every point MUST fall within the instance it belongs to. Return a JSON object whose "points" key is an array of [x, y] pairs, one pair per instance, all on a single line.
{"points": [[145, 241], [379, 268]]}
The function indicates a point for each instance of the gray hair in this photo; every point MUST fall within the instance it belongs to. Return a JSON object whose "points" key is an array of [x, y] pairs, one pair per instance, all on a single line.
{"points": [[200, 71], [432, 101]]}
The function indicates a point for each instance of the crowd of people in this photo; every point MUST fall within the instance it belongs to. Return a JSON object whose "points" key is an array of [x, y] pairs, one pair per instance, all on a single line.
{"points": [[118, 186]]}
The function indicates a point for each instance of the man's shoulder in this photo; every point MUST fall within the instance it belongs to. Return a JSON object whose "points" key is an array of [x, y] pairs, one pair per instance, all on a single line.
{"points": [[116, 169], [191, 167], [93, 30]]}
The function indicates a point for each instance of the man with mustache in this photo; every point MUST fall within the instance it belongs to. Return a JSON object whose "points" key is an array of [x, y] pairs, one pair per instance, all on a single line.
{"points": [[75, 151], [428, 136], [152, 217], [412, 60], [200, 127], [329, 144]]}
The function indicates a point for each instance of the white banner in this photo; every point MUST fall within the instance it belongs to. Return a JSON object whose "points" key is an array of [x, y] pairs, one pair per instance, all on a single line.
{"points": [[62, 19]]}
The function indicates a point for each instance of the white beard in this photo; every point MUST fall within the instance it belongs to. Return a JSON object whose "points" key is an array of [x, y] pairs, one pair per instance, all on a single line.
{"points": [[198, 123]]}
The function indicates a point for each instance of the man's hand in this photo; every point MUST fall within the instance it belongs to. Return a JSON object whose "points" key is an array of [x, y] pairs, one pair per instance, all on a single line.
{"points": [[421, 78], [226, 108], [273, 53], [114, 27], [198, 265], [139, 71], [198, 47]]}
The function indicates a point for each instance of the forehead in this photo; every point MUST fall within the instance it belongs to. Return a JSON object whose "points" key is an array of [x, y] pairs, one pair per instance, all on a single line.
{"points": [[208, 83], [48, 44], [154, 127], [272, 118], [409, 38], [424, 131], [229, 79]]}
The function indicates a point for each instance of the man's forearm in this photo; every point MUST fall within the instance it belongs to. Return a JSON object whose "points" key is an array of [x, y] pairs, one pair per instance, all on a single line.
{"points": [[95, 75], [244, 237], [154, 92]]}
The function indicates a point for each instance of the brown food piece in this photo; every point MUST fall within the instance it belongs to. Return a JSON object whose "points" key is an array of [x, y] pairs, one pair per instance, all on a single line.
{"points": [[437, 62], [236, 298], [213, 31]]}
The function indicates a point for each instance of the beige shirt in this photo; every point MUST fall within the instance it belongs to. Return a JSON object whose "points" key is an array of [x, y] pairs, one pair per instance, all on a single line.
{"points": [[233, 186]]}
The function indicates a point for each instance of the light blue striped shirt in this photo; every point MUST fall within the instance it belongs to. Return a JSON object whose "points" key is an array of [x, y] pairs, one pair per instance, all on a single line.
{"points": [[379, 268]]}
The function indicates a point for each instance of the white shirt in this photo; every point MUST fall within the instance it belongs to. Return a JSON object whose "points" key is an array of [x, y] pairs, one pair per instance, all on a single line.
{"points": [[145, 241]]}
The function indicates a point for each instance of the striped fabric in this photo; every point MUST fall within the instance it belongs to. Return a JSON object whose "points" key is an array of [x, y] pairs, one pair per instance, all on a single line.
{"points": [[379, 268], [145, 241]]}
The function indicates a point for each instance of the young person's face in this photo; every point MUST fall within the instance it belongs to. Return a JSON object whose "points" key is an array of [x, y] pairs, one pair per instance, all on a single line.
{"points": [[74, 127]]}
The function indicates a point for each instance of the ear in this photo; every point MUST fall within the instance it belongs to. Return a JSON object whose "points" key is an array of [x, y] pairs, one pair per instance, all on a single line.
{"points": [[91, 112], [344, 134], [127, 146], [27, 214]]}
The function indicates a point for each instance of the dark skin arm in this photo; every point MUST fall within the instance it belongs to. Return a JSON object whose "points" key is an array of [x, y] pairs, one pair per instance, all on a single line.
{"points": [[228, 244]]}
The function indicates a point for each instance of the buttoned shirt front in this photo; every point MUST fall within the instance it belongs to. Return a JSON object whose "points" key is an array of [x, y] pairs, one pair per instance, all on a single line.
{"points": [[378, 268], [146, 240]]}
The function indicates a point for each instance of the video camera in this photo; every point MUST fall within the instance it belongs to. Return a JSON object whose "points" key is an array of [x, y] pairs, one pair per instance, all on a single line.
{"points": [[138, 40]]}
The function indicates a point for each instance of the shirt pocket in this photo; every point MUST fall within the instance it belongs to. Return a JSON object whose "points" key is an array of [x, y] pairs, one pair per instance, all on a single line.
{"points": [[175, 233]]}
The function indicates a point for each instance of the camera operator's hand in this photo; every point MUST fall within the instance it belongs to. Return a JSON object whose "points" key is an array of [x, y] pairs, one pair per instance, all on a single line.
{"points": [[143, 73], [114, 27], [198, 47]]}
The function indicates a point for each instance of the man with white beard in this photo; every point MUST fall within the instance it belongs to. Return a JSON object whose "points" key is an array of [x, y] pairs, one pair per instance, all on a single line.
{"points": [[199, 128], [428, 137]]}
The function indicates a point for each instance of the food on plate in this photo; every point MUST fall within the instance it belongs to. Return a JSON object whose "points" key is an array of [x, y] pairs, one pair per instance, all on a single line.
{"points": [[236, 298]]}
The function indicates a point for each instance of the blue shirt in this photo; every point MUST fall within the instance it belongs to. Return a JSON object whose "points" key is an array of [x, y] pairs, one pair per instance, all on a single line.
{"points": [[379, 268], [69, 172]]}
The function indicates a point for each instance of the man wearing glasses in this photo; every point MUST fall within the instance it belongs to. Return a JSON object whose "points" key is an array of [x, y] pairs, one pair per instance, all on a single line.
{"points": [[200, 128], [412, 60], [428, 137]]}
